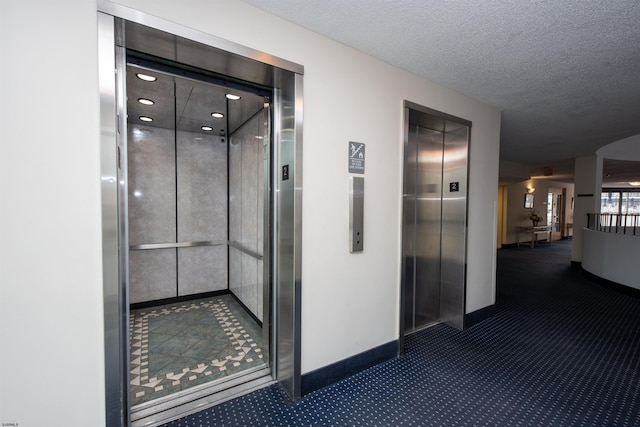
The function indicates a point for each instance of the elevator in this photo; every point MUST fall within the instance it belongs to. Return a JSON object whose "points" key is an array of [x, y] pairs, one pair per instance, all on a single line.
{"points": [[434, 227], [198, 216], [198, 157]]}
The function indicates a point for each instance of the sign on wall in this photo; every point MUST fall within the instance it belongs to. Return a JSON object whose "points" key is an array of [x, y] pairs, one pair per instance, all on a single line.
{"points": [[356, 157]]}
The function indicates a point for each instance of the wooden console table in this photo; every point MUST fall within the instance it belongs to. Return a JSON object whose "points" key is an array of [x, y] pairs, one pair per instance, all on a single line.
{"points": [[534, 231]]}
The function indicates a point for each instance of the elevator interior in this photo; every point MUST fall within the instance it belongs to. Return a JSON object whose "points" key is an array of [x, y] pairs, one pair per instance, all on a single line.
{"points": [[197, 172], [198, 161], [180, 243], [434, 219]]}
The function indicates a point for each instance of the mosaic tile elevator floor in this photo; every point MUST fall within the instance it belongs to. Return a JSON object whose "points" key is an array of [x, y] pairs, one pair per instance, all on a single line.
{"points": [[178, 346]]}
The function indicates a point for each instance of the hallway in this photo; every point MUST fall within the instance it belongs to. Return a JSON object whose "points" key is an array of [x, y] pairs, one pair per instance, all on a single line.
{"points": [[560, 350]]}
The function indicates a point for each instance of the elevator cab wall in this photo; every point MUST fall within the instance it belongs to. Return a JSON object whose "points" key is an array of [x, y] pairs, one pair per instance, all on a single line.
{"points": [[195, 189]]}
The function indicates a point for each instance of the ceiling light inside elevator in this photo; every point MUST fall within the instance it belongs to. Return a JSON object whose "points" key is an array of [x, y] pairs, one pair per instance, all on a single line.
{"points": [[146, 77]]}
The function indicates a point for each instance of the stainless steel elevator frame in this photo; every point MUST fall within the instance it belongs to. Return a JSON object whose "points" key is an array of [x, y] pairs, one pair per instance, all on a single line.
{"points": [[434, 231], [121, 27]]}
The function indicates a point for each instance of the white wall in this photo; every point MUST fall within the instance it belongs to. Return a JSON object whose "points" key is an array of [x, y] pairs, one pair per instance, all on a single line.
{"points": [[611, 256], [624, 149], [588, 188], [51, 355], [50, 184]]}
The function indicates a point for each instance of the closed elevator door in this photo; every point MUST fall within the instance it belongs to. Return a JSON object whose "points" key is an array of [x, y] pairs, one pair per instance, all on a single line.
{"points": [[434, 219]]}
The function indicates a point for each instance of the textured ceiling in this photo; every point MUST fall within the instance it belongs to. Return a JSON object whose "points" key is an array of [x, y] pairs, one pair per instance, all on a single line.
{"points": [[564, 73]]}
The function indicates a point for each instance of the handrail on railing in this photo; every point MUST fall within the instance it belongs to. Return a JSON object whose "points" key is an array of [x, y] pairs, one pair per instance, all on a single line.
{"points": [[614, 223]]}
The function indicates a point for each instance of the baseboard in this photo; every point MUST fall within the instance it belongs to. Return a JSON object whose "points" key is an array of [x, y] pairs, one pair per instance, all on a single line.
{"points": [[335, 372], [246, 309], [627, 290], [176, 300], [472, 319]]}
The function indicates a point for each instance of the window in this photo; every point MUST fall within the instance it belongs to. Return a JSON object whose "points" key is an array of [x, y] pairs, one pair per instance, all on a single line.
{"points": [[610, 202], [620, 202], [630, 203]]}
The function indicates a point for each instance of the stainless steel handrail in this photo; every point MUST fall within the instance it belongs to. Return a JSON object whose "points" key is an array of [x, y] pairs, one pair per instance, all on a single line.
{"points": [[238, 246], [614, 223], [147, 246]]}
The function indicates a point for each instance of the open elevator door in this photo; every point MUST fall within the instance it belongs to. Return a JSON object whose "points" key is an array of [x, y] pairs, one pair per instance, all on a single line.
{"points": [[122, 29], [434, 225], [197, 182]]}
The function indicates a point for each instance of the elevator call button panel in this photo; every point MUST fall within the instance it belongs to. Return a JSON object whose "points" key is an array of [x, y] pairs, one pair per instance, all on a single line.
{"points": [[356, 214]]}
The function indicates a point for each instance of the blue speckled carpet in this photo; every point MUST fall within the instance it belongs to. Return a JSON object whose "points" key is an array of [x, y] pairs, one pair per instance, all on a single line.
{"points": [[561, 350]]}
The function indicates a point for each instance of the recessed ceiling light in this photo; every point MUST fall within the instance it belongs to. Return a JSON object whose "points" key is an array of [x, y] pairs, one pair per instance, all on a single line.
{"points": [[146, 77], [207, 128], [145, 101], [217, 115], [146, 119], [232, 97]]}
